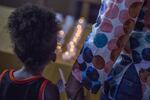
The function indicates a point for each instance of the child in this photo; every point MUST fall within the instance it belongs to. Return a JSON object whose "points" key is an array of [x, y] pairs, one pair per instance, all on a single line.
{"points": [[33, 32]]}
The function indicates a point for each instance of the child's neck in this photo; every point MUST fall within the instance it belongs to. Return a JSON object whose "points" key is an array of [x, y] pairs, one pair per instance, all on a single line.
{"points": [[24, 73]]}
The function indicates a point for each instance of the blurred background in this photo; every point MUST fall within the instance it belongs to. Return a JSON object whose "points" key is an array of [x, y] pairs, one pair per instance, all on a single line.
{"points": [[76, 18]]}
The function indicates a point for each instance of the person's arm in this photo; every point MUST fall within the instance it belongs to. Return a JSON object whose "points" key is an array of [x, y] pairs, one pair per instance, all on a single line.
{"points": [[51, 92], [108, 38], [74, 89]]}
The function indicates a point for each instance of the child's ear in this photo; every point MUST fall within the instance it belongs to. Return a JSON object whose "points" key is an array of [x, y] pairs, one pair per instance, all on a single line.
{"points": [[53, 57]]}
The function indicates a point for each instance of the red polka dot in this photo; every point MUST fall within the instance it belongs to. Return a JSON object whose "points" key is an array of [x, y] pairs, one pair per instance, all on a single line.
{"points": [[128, 26], [106, 26], [117, 1], [127, 48], [98, 62], [115, 53], [134, 9], [122, 41], [129, 2], [124, 16], [148, 4], [108, 66], [144, 74], [112, 11], [112, 44], [147, 19], [118, 31]]}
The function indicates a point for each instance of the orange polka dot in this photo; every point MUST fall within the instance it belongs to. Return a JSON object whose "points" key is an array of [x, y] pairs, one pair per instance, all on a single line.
{"points": [[122, 41], [144, 74], [147, 18], [127, 48], [112, 44], [98, 62], [134, 9], [130, 2], [115, 53], [128, 26]]}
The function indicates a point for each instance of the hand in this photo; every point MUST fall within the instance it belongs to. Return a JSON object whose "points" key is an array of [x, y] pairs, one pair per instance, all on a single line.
{"points": [[74, 89]]}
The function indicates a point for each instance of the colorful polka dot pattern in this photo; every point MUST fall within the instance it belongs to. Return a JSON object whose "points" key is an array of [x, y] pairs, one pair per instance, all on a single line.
{"points": [[109, 36], [139, 59]]}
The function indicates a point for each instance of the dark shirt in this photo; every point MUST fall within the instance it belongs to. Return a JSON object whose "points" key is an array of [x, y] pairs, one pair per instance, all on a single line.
{"points": [[28, 89]]}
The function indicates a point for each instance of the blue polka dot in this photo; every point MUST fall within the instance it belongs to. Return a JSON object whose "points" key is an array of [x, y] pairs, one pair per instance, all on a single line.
{"points": [[92, 74], [113, 90], [106, 86], [98, 21], [134, 43], [87, 55], [139, 26], [103, 7], [100, 40], [95, 87], [137, 35], [83, 66], [146, 54], [86, 81], [147, 37], [141, 15], [109, 84], [136, 57], [84, 76], [125, 60]]}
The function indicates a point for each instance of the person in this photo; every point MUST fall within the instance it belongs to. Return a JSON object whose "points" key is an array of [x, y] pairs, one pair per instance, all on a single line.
{"points": [[115, 57], [33, 31]]}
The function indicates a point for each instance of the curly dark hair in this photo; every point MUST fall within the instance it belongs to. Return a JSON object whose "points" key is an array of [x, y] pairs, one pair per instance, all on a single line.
{"points": [[33, 31]]}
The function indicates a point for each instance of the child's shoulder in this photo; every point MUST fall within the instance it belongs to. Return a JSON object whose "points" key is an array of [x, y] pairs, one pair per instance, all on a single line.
{"points": [[3, 73], [51, 92]]}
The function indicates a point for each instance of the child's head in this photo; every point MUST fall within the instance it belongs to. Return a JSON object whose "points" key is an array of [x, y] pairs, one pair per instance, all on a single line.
{"points": [[33, 31]]}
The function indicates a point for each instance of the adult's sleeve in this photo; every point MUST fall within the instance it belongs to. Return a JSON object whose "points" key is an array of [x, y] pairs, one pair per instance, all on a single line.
{"points": [[109, 36], [130, 75]]}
